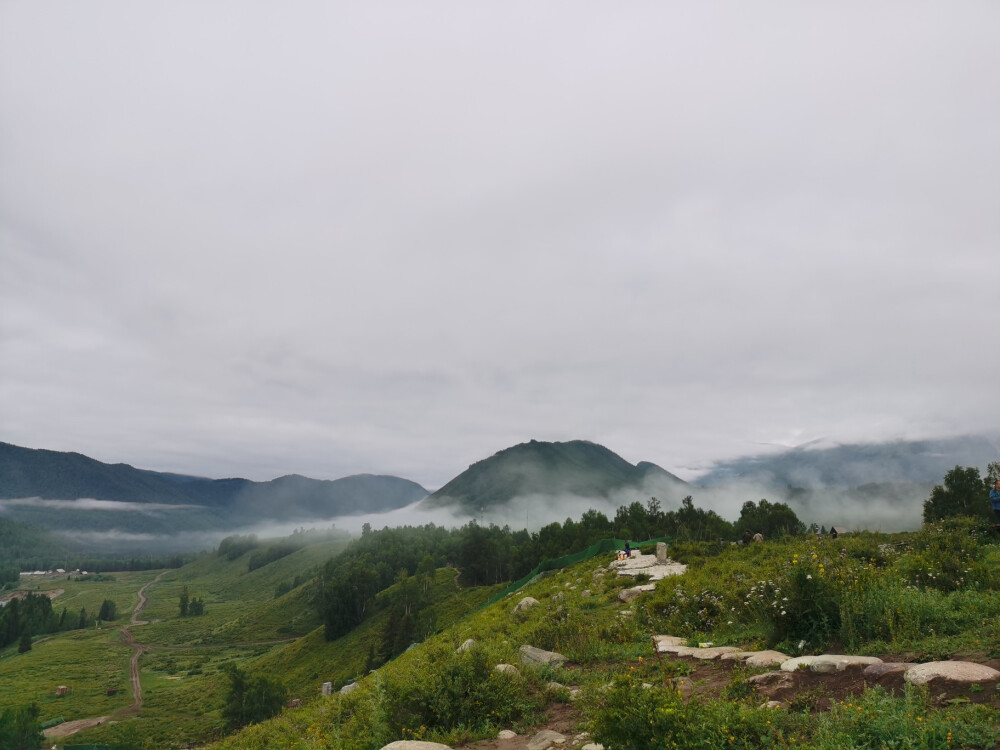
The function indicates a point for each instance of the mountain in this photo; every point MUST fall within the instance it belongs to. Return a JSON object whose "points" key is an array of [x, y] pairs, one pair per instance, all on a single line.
{"points": [[577, 468], [918, 462], [74, 493]]}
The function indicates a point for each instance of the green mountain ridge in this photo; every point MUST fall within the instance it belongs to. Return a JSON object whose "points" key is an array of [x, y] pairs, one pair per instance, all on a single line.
{"points": [[574, 468], [194, 503]]}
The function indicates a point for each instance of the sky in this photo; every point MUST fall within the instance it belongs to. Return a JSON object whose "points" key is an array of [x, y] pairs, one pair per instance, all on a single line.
{"points": [[257, 238]]}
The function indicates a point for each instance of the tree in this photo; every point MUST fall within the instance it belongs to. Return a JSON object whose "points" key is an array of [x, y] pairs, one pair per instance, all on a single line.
{"points": [[81, 621], [252, 699], [770, 519], [964, 493], [20, 729], [25, 644], [184, 602], [196, 607], [108, 610]]}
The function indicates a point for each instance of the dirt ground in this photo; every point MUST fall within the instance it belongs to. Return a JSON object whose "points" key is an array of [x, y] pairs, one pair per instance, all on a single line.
{"points": [[812, 691]]}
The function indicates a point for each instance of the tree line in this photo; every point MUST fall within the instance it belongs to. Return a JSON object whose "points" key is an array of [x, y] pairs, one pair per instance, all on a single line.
{"points": [[24, 617], [346, 587]]}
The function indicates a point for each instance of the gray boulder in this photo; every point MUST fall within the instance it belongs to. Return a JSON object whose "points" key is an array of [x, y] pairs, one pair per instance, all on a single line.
{"points": [[532, 655], [951, 671], [545, 739], [526, 603], [415, 745]]}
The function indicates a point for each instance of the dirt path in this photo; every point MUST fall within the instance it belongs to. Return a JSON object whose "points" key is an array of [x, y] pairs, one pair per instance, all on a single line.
{"points": [[72, 727]]}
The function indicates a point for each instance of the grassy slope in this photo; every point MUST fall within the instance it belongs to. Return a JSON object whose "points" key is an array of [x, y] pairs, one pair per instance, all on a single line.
{"points": [[604, 636]]}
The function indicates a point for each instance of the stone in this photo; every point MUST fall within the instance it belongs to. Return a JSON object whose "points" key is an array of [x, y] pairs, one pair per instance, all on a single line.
{"points": [[545, 739], [713, 653], [951, 671], [349, 688], [506, 734], [771, 704], [593, 746], [532, 655], [506, 669], [891, 667], [772, 680], [828, 663], [799, 662], [661, 552], [630, 595], [466, 646], [668, 640], [526, 603], [415, 745], [585, 593], [765, 659]]}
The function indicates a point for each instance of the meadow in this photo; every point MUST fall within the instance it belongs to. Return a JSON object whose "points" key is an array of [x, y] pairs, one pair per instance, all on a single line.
{"points": [[919, 596]]}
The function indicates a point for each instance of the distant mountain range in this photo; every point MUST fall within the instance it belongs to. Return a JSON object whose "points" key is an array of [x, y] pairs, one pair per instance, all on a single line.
{"points": [[577, 468], [917, 462], [94, 503], [70, 491]]}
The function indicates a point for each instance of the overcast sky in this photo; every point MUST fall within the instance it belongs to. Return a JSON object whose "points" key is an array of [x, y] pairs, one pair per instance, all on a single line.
{"points": [[260, 238]]}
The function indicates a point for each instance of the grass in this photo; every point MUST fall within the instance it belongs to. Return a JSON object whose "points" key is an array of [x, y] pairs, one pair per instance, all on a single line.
{"points": [[930, 594]]}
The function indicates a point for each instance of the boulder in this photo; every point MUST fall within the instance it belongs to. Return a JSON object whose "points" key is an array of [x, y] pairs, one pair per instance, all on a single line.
{"points": [[886, 668], [765, 659], [545, 739], [349, 688], [415, 745], [661, 552], [466, 646], [630, 595], [532, 655], [506, 734], [526, 603], [774, 680], [506, 669], [668, 640], [828, 662], [951, 671], [713, 653]]}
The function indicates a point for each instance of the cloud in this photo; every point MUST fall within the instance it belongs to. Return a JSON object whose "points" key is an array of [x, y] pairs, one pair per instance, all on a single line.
{"points": [[329, 240]]}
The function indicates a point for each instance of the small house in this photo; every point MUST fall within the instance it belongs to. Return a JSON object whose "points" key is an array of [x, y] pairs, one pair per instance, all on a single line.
{"points": [[61, 691], [836, 531]]}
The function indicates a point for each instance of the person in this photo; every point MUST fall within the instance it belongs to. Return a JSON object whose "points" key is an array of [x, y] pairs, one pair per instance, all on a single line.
{"points": [[995, 500], [628, 549]]}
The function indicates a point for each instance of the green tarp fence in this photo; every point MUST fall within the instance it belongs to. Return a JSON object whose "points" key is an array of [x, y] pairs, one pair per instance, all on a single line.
{"points": [[602, 547]]}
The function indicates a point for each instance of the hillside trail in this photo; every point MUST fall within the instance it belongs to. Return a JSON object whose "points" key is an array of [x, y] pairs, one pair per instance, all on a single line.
{"points": [[72, 727], [128, 638]]}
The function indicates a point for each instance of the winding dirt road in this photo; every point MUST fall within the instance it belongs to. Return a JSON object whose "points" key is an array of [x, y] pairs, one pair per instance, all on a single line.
{"points": [[72, 727]]}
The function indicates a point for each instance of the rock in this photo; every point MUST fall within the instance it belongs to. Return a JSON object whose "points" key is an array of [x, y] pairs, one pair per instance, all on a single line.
{"points": [[415, 745], [585, 593], [507, 669], [466, 646], [554, 686], [771, 704], [765, 659], [506, 734], [880, 670], [713, 653], [630, 595], [776, 680], [661, 552], [952, 671], [827, 663], [526, 603], [668, 640], [545, 739], [532, 655], [799, 662], [349, 688], [593, 746]]}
